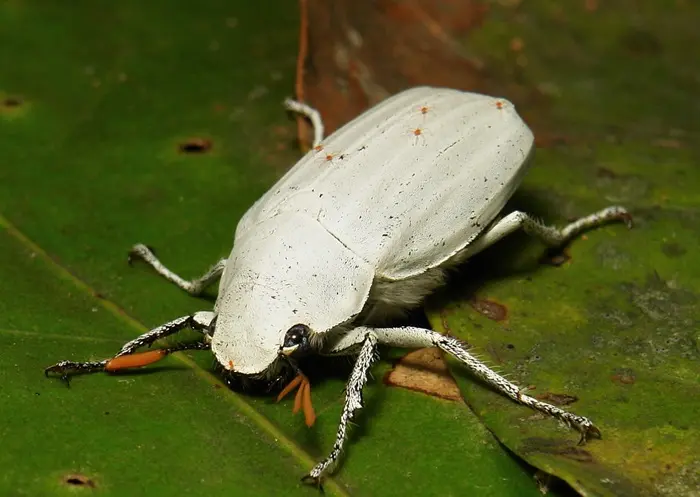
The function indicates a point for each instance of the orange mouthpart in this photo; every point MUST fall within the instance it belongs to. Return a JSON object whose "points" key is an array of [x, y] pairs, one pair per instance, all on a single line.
{"points": [[303, 398]]}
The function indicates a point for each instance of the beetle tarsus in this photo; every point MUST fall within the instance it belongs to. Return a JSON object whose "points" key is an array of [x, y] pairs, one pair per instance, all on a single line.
{"points": [[194, 287], [626, 217], [313, 480], [69, 368], [587, 432]]}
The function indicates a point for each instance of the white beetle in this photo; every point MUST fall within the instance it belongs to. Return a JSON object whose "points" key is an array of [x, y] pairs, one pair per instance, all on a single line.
{"points": [[367, 222]]}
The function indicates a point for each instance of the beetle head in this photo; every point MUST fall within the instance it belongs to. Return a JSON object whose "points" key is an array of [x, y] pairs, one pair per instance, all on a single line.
{"points": [[257, 329]]}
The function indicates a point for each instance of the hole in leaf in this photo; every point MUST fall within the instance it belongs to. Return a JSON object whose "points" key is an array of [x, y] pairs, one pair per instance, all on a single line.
{"points": [[77, 480], [11, 102], [195, 146]]}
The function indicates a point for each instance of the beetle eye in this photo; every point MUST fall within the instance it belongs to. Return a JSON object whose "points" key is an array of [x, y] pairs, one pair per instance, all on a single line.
{"points": [[296, 339]]}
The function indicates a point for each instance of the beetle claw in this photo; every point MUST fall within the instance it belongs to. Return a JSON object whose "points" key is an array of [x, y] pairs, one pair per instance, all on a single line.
{"points": [[313, 480], [588, 433], [138, 252]]}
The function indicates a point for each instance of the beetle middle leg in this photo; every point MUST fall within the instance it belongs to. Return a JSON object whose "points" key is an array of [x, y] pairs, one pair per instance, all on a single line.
{"points": [[551, 236], [193, 287], [200, 321]]}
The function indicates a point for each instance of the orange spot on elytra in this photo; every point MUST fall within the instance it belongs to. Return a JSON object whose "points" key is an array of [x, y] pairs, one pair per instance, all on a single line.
{"points": [[417, 132], [329, 157], [302, 400], [499, 105], [230, 365], [318, 148], [424, 109]]}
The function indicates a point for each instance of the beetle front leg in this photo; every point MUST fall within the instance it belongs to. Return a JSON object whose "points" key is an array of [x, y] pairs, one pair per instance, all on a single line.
{"points": [[411, 337], [353, 399], [549, 235], [199, 321], [193, 287]]}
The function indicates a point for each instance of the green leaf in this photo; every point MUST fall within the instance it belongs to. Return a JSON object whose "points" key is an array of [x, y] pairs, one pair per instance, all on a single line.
{"points": [[98, 103], [617, 325]]}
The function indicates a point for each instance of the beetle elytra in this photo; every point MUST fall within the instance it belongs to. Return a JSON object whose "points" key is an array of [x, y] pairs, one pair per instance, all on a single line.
{"points": [[337, 244]]}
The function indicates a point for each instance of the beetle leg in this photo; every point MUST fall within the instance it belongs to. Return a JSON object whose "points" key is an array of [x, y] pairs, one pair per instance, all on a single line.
{"points": [[311, 114], [411, 337], [353, 402], [193, 287], [551, 236], [199, 321]]}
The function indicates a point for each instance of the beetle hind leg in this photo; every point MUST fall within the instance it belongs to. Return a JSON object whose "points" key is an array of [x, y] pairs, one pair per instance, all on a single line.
{"points": [[458, 350], [412, 337], [311, 114], [557, 237], [193, 287], [549, 235]]}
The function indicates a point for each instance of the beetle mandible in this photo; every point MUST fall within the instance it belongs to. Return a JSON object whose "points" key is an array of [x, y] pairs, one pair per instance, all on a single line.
{"points": [[367, 223]]}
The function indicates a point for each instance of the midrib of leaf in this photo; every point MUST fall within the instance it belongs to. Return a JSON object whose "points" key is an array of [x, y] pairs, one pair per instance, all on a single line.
{"points": [[245, 408]]}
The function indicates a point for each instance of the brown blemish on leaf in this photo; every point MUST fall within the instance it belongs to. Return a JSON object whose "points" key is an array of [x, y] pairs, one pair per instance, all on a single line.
{"points": [[354, 54], [490, 308], [11, 105], [576, 454], [517, 44], [445, 324], [11, 102], [591, 5], [667, 143], [424, 370], [557, 447], [673, 249], [195, 146], [78, 480], [641, 42], [557, 399], [556, 257], [624, 376], [549, 140], [304, 131], [604, 172]]}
